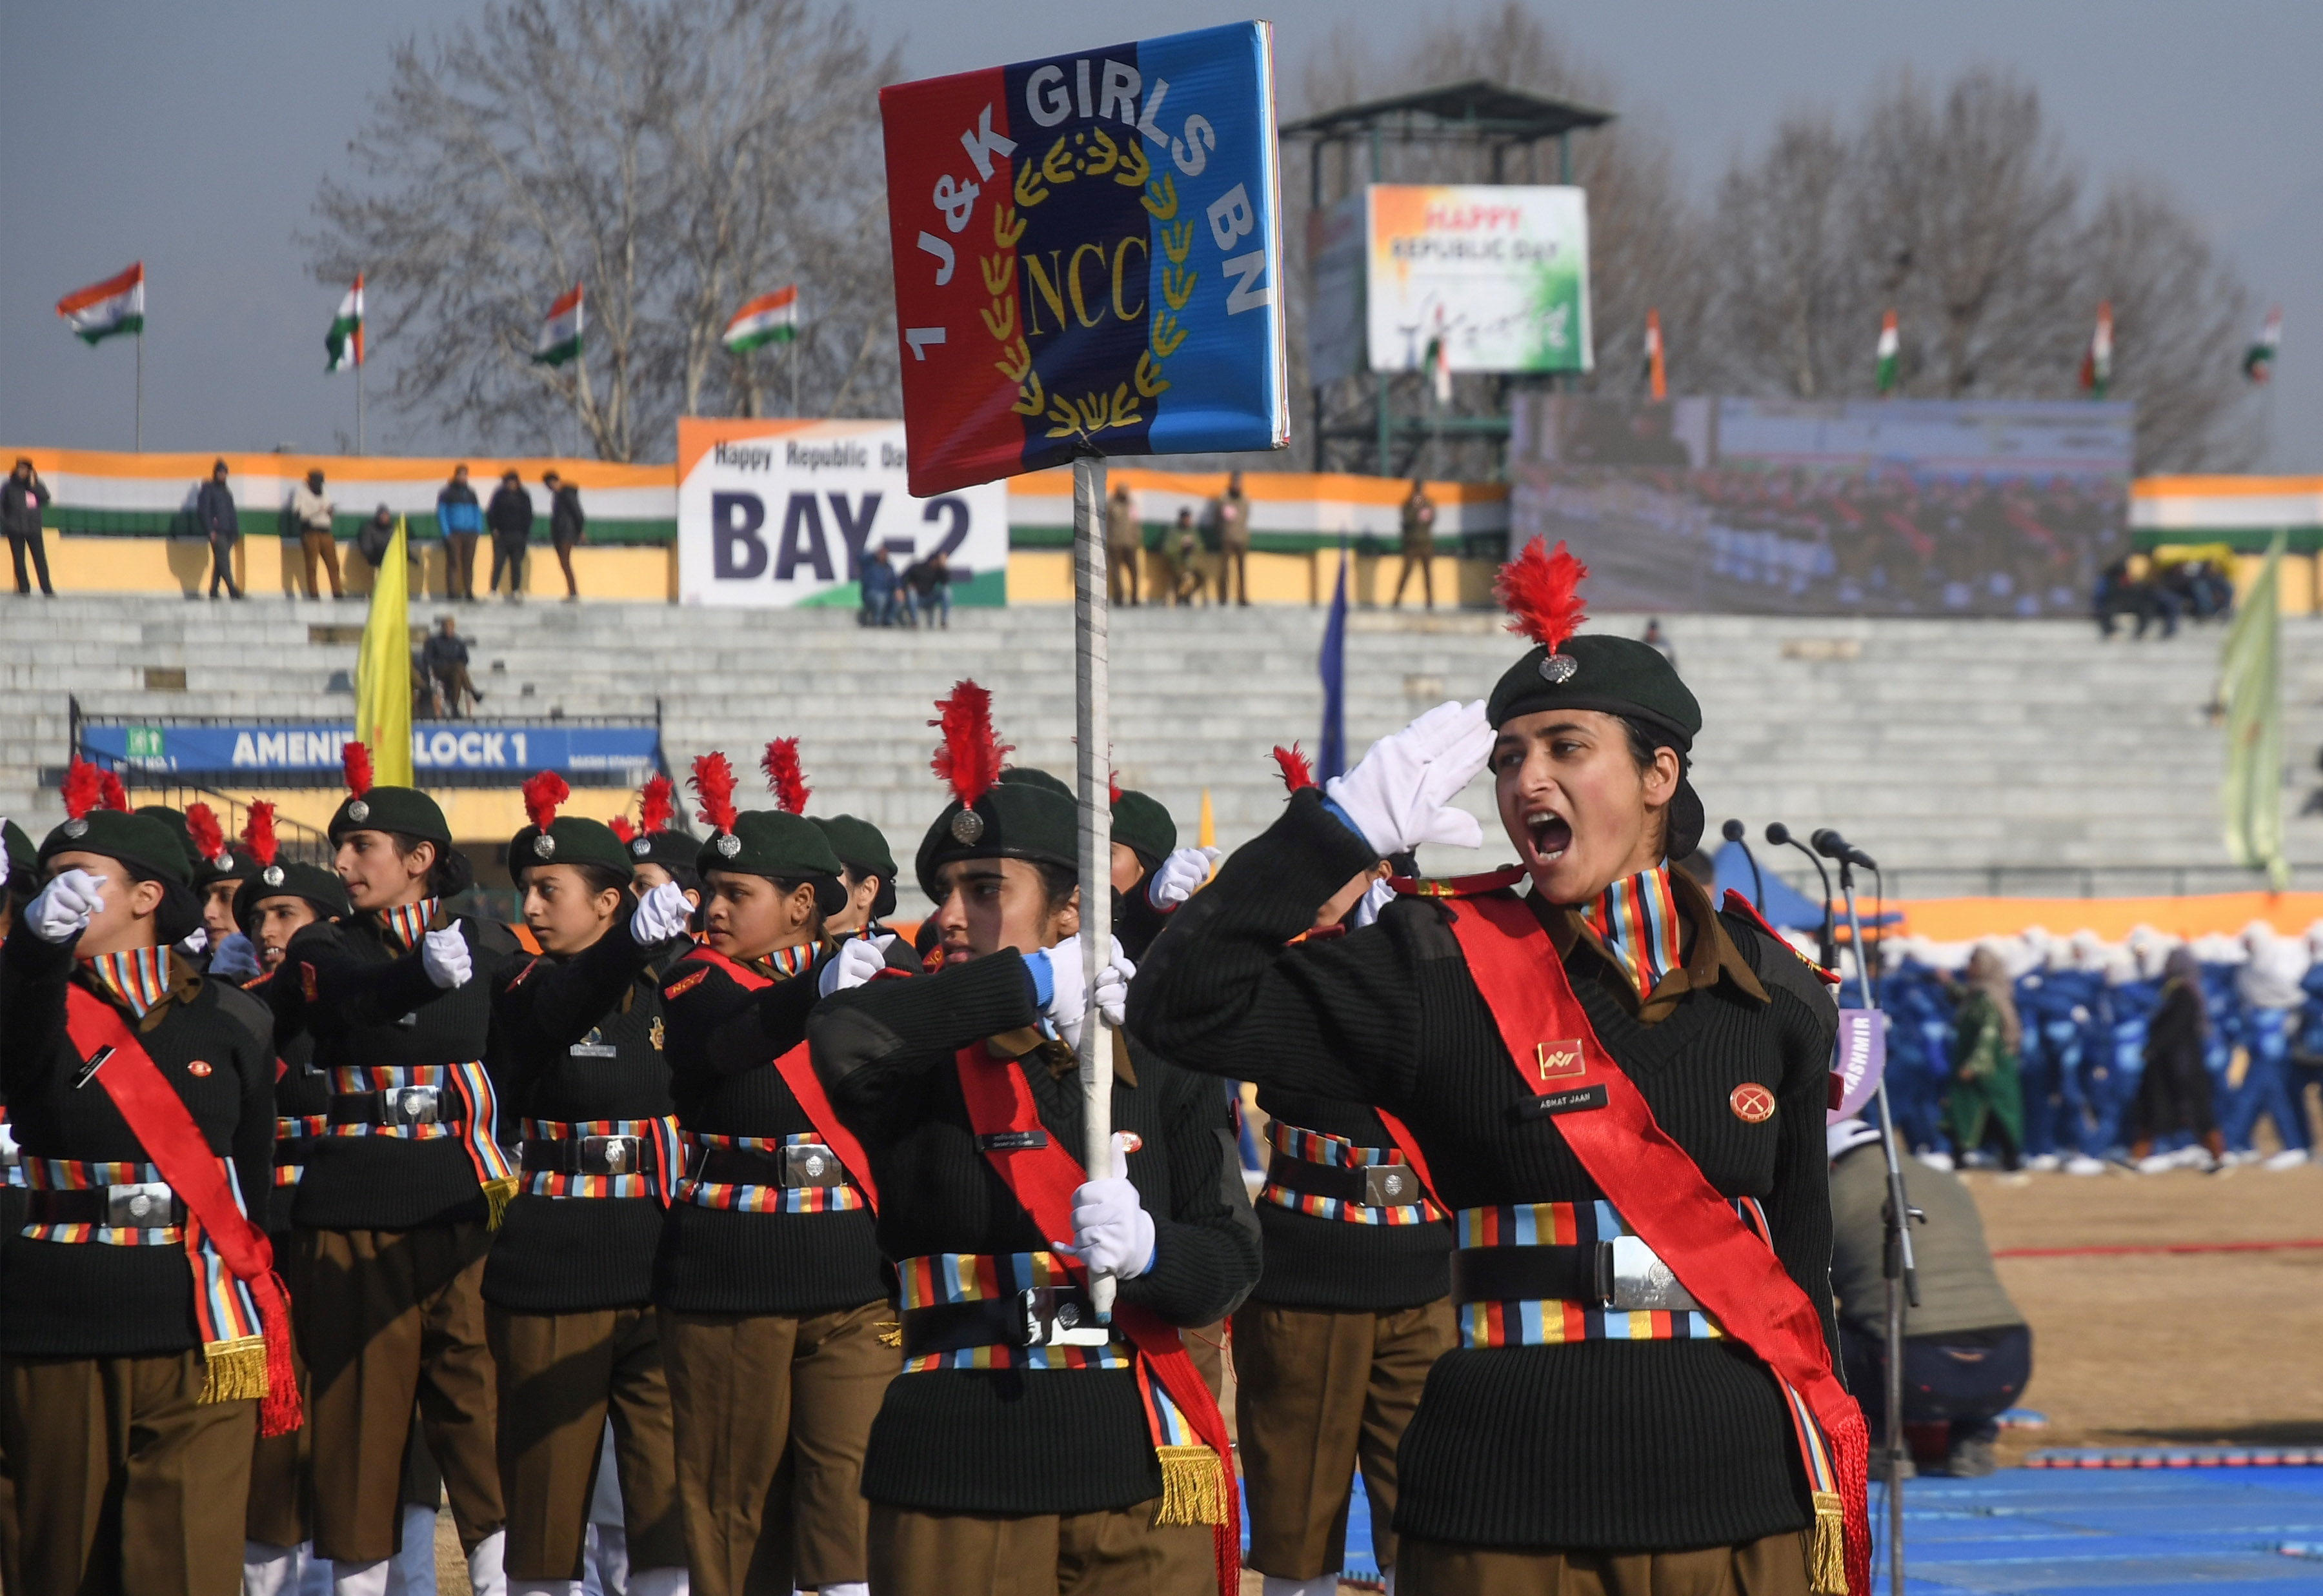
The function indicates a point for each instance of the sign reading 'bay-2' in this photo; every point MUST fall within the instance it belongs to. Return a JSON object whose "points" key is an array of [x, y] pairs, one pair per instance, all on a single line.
{"points": [[1089, 256]]}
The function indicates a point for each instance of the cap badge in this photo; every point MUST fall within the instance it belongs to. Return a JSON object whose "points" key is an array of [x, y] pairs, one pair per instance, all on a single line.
{"points": [[272, 875], [640, 846], [967, 827], [1558, 669], [544, 847], [359, 811], [76, 827], [729, 845]]}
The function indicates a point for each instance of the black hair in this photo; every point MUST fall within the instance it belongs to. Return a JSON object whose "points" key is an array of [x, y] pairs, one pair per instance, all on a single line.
{"points": [[594, 876], [687, 877], [1684, 819], [179, 911], [450, 876], [1058, 881], [883, 901], [830, 895]]}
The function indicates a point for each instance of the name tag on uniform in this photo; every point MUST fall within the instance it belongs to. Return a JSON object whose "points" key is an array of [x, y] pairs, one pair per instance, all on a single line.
{"points": [[1011, 1140], [1551, 1103], [594, 1049]]}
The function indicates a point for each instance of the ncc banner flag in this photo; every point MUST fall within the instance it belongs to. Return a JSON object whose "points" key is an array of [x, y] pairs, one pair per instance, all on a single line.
{"points": [[1089, 252]]}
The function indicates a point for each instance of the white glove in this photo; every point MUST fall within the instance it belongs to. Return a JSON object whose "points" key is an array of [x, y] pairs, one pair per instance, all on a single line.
{"points": [[1377, 896], [194, 942], [1068, 988], [858, 961], [62, 910], [1112, 1232], [1184, 870], [1113, 989], [234, 957], [444, 954], [1399, 795], [660, 915]]}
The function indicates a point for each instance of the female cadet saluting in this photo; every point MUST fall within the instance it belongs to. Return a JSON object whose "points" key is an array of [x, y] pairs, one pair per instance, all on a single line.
{"points": [[1621, 1090]]}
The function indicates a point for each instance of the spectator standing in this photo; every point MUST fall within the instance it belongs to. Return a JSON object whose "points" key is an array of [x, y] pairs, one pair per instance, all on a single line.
{"points": [[927, 590], [1988, 1099], [510, 516], [1658, 641], [1234, 542], [459, 518], [1125, 545], [2174, 1092], [566, 525], [20, 518], [1418, 544], [214, 508], [878, 587], [1183, 556], [2269, 995], [311, 513], [444, 659]]}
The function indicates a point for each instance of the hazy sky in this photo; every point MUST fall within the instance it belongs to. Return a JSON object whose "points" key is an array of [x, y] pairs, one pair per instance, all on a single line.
{"points": [[193, 136]]}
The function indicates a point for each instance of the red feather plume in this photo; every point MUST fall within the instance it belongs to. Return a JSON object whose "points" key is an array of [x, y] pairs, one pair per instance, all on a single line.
{"points": [[785, 779], [116, 796], [713, 783], [970, 756], [355, 760], [1541, 592], [622, 827], [209, 837], [543, 792], [84, 786], [257, 833], [1296, 772], [1112, 788], [656, 804]]}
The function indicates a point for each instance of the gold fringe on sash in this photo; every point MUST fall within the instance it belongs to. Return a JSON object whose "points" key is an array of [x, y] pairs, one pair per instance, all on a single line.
{"points": [[1192, 1490], [498, 1195], [233, 1370], [1827, 1547]]}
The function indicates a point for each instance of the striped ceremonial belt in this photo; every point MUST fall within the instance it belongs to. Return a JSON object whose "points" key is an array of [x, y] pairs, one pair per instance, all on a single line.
{"points": [[293, 1136], [1564, 1241], [771, 1196], [1327, 1177], [569, 1141], [1008, 1283], [468, 1085]]}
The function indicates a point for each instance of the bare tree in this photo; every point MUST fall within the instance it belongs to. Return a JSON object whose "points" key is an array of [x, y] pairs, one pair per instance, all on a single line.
{"points": [[1787, 295], [665, 155]]}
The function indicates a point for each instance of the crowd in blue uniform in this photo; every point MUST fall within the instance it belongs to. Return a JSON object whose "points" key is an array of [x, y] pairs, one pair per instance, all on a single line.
{"points": [[2084, 1009]]}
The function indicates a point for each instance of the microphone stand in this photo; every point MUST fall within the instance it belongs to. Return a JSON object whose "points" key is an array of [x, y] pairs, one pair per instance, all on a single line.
{"points": [[1733, 832], [1778, 834], [1895, 1263]]}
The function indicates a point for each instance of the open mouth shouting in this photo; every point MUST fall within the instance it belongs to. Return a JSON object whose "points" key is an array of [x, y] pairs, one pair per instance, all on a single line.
{"points": [[1547, 835]]}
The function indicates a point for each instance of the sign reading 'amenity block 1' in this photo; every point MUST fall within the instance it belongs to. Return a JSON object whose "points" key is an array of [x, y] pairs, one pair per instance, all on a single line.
{"points": [[784, 514]]}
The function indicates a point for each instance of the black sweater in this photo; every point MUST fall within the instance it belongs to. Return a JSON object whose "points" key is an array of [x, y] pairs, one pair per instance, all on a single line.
{"points": [[1334, 1265], [559, 1016], [1636, 1446], [90, 1299], [1016, 1441], [723, 1042], [301, 1091], [367, 1001]]}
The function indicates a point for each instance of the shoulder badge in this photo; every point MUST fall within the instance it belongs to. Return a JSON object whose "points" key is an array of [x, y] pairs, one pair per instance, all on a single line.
{"points": [[654, 1033], [306, 980], [679, 989]]}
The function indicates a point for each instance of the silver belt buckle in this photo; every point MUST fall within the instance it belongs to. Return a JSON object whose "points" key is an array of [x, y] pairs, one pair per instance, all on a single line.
{"points": [[1054, 1318], [410, 1105], [1643, 1283], [810, 1163], [142, 1205], [1390, 1186], [616, 1155]]}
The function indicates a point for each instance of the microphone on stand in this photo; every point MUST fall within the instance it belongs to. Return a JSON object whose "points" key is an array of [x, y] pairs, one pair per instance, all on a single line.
{"points": [[1833, 845], [1779, 835], [1732, 831]]}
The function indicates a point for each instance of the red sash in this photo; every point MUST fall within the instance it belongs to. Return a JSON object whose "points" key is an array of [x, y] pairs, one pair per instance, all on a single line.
{"points": [[797, 1070], [158, 1117], [1042, 1180], [1729, 1270]]}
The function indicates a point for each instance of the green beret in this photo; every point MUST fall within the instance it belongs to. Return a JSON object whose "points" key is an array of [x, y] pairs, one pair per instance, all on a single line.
{"points": [[860, 845], [22, 859], [671, 850], [1614, 676], [771, 843], [238, 867], [405, 811], [318, 886], [1029, 778], [176, 820], [1020, 819], [143, 841], [572, 840], [1142, 823]]}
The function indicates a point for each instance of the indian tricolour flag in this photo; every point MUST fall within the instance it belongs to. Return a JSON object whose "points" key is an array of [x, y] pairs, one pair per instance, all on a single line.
{"points": [[116, 305], [770, 318], [344, 340], [560, 335], [2258, 362], [2097, 360], [1890, 346]]}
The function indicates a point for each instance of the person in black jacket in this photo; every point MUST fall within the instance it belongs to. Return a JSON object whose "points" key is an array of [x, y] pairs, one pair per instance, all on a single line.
{"points": [[2173, 1093], [21, 499], [1152, 875], [222, 525], [568, 1289], [510, 516], [1025, 1434], [400, 1195], [1596, 1423], [567, 526], [122, 1385], [772, 1300]]}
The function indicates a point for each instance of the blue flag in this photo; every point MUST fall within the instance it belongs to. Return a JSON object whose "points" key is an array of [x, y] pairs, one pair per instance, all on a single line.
{"points": [[1332, 759]]}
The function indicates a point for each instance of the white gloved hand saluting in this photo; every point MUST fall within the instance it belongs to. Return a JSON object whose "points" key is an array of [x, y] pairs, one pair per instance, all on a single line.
{"points": [[62, 910], [858, 961], [1184, 870], [1112, 1232], [661, 914], [1399, 795], [444, 954]]}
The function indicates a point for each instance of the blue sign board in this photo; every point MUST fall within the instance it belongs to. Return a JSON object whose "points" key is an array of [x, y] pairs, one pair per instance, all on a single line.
{"points": [[469, 747]]}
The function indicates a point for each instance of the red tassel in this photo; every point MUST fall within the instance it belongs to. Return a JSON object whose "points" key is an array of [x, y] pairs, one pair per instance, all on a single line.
{"points": [[84, 786], [713, 783], [257, 833], [1852, 1461], [656, 805], [116, 796], [543, 792], [970, 756], [278, 1411], [1296, 772], [355, 760], [209, 837], [1541, 592], [785, 779]]}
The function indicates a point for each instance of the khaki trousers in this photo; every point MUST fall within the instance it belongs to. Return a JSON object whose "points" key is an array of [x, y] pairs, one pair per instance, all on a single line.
{"points": [[125, 1484], [1114, 1554], [773, 1415], [1774, 1566], [559, 1375], [319, 545], [388, 1317], [1317, 1395]]}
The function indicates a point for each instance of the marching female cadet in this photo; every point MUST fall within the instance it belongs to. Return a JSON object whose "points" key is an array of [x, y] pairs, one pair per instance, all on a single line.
{"points": [[568, 1289], [397, 1206], [771, 1297], [1619, 1090], [143, 1328], [1028, 1446]]}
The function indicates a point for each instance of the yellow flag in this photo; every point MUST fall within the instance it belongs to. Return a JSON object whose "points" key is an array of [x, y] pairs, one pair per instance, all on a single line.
{"points": [[383, 670], [2250, 685]]}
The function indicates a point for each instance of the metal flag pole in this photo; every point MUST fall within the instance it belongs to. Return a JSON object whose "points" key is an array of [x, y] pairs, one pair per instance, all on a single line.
{"points": [[140, 418], [1092, 763], [359, 366]]}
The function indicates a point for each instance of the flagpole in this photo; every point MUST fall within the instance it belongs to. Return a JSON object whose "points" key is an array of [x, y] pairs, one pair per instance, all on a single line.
{"points": [[1093, 760], [794, 343], [359, 414], [139, 422]]}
